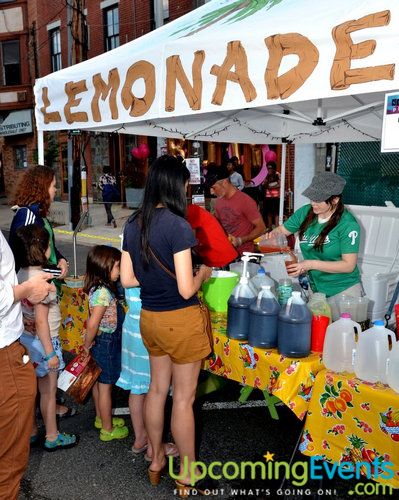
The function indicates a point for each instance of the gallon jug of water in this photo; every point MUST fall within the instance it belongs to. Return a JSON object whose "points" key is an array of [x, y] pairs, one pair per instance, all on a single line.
{"points": [[319, 306], [263, 319], [372, 353], [340, 344], [393, 367], [262, 279], [238, 304], [294, 328]]}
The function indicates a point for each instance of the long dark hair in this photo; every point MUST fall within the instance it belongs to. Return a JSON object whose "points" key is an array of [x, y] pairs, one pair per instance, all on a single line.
{"points": [[333, 221], [31, 244], [165, 186], [99, 264]]}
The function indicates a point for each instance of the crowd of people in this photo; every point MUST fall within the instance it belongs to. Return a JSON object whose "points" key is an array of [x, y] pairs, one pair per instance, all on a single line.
{"points": [[146, 350]]}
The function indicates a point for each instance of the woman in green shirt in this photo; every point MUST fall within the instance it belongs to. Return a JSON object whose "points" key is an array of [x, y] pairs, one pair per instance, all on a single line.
{"points": [[329, 237]]}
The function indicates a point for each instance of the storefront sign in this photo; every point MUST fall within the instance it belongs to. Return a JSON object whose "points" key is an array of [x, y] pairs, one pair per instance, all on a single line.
{"points": [[390, 124], [17, 122]]}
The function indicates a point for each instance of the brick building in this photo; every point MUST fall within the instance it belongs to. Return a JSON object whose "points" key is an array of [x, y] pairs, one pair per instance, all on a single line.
{"points": [[45, 36]]}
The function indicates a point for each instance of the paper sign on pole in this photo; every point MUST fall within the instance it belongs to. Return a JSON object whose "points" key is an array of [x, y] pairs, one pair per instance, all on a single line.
{"points": [[193, 164], [390, 124]]}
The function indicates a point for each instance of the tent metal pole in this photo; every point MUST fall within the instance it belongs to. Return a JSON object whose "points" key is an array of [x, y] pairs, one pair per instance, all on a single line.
{"points": [[282, 182], [40, 147]]}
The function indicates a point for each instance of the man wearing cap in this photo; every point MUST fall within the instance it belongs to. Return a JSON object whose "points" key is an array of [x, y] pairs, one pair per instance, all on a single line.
{"points": [[236, 211], [329, 237]]}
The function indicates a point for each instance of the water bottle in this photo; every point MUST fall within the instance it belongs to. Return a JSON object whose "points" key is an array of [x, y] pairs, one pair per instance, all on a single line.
{"points": [[340, 344], [393, 367], [294, 328], [238, 305], [262, 279], [372, 353], [263, 319], [284, 290]]}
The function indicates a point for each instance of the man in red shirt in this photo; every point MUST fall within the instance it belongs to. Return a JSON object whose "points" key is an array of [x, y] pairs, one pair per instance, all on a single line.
{"points": [[236, 211]]}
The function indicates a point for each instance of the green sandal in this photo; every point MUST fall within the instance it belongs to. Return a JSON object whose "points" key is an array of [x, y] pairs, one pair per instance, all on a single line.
{"points": [[116, 433], [63, 441], [116, 422]]}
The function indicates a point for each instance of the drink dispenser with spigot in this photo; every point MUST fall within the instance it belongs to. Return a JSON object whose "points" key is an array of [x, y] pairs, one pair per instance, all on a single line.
{"points": [[242, 297]]}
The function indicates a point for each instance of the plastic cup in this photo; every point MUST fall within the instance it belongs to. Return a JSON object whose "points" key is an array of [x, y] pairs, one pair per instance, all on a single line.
{"points": [[347, 304], [362, 308], [319, 327]]}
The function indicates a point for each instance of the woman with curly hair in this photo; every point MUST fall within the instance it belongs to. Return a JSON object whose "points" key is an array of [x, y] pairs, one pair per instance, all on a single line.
{"points": [[32, 200]]}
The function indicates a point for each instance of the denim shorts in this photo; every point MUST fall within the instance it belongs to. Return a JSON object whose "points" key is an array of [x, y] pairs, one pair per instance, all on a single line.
{"points": [[37, 353], [107, 351]]}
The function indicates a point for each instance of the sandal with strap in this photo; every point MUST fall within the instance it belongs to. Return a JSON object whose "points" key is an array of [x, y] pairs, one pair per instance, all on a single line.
{"points": [[63, 441], [203, 487]]}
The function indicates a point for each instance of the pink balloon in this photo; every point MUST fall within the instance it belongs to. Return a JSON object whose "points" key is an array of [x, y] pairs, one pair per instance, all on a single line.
{"points": [[136, 153], [144, 150], [270, 156], [265, 149]]}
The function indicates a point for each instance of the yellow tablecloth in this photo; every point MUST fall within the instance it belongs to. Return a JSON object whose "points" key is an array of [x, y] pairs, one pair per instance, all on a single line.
{"points": [[291, 380], [350, 420], [74, 313]]}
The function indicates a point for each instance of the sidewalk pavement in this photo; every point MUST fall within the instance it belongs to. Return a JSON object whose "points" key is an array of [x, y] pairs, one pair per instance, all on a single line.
{"points": [[97, 233]]}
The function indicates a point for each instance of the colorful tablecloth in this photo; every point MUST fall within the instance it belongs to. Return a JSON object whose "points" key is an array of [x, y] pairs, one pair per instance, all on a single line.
{"points": [[352, 421], [291, 380], [74, 313]]}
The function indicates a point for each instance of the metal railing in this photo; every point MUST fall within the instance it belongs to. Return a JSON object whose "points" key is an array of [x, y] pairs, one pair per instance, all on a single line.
{"points": [[78, 227]]}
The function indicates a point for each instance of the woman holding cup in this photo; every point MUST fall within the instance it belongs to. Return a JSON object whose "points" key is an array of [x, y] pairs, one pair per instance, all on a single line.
{"points": [[329, 237]]}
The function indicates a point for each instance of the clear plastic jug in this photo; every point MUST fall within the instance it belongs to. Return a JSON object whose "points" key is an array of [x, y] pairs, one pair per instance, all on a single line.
{"points": [[262, 279], [372, 353], [393, 367], [275, 242], [294, 328], [319, 306], [340, 344]]}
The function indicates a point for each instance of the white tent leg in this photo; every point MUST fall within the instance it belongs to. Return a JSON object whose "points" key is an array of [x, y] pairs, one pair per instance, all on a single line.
{"points": [[282, 182], [40, 147]]}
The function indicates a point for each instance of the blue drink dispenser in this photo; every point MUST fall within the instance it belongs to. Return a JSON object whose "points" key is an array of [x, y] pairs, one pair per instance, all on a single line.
{"points": [[263, 320], [238, 305], [294, 328]]}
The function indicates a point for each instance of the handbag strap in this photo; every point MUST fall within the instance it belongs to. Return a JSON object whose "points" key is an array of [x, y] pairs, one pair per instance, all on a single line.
{"points": [[162, 266]]}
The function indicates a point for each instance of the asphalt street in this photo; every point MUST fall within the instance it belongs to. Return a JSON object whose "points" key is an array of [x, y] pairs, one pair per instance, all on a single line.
{"points": [[226, 432]]}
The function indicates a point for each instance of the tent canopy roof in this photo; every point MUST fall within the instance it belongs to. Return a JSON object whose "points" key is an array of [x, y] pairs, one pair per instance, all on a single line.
{"points": [[239, 71]]}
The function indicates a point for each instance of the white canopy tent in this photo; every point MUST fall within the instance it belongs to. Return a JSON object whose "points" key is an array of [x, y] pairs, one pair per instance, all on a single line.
{"points": [[265, 71]]}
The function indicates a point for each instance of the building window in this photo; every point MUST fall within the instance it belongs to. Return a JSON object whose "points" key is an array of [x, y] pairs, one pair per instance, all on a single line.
{"points": [[111, 28], [20, 157], [165, 8], [55, 49], [10, 62]]}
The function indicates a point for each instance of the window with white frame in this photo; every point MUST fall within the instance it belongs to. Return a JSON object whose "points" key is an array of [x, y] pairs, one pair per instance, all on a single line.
{"points": [[55, 49], [111, 28]]}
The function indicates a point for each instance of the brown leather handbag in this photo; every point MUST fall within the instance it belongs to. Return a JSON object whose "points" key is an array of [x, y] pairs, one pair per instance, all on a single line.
{"points": [[206, 316]]}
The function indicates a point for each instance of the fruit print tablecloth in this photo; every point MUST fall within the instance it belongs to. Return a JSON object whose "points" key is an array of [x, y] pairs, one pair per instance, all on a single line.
{"points": [[74, 313], [291, 380], [352, 421]]}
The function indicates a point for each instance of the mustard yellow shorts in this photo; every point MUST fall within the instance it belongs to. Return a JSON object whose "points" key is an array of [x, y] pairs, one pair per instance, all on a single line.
{"points": [[179, 334]]}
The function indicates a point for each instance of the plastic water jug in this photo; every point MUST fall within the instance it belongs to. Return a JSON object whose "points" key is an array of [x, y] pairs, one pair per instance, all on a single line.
{"points": [[372, 353], [294, 327], [263, 319], [262, 279], [319, 306], [393, 367], [340, 344], [239, 302]]}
